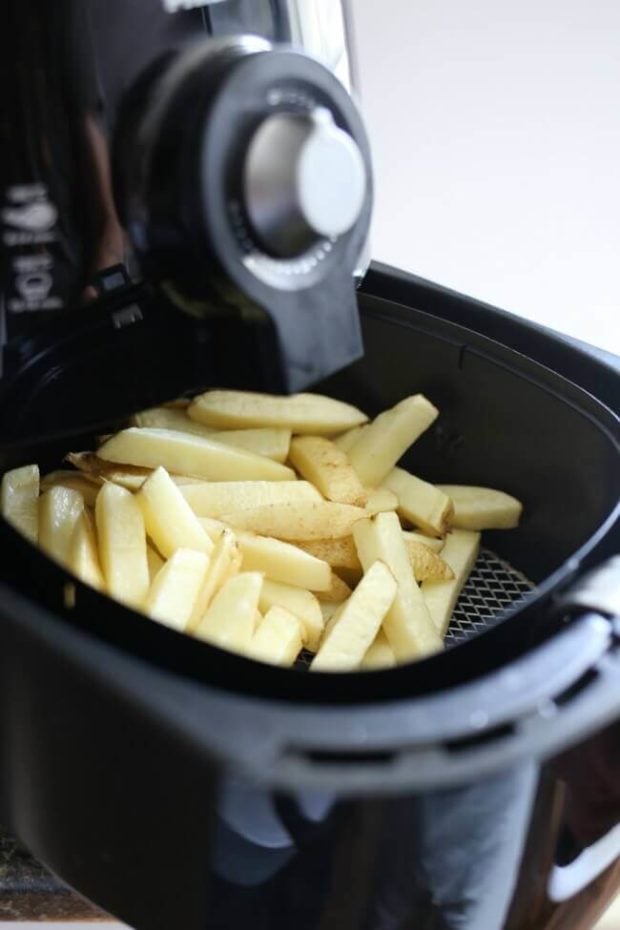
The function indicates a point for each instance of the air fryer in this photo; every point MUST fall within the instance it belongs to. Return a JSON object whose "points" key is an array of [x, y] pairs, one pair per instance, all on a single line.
{"points": [[156, 242]]}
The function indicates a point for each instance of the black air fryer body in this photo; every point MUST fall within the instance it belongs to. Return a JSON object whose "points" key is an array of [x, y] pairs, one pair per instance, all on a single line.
{"points": [[177, 785]]}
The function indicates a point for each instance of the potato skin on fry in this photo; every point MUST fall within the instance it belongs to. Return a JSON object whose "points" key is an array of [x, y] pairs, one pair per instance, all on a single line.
{"points": [[301, 413], [328, 468], [298, 520]]}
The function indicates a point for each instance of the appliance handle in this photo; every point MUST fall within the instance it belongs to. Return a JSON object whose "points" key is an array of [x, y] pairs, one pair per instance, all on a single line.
{"points": [[565, 881]]}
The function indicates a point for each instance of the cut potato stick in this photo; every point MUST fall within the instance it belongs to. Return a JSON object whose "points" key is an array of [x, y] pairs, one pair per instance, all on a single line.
{"points": [[225, 562], [174, 418], [426, 564], [303, 604], [122, 544], [347, 440], [380, 654], [419, 502], [338, 553], [327, 467], [229, 622], [19, 502], [358, 622], [388, 437], [185, 454], [342, 556], [59, 511], [297, 520], [170, 522], [87, 485], [282, 561], [478, 508], [278, 638], [301, 413], [380, 500], [83, 557], [128, 476], [175, 588], [337, 592], [212, 499], [154, 561], [408, 624], [436, 543], [460, 552]]}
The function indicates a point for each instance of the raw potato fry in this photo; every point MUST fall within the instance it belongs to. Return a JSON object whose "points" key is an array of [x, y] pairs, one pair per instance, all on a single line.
{"points": [[87, 485], [229, 621], [327, 467], [419, 502], [337, 592], [169, 520], [303, 604], [282, 561], [278, 638], [122, 545], [478, 508], [426, 564], [59, 511], [83, 558], [431, 542], [154, 562], [19, 500], [212, 499], [169, 418], [347, 440], [175, 588], [380, 500], [380, 653], [301, 413], [358, 622], [388, 437], [460, 552], [298, 520], [128, 476], [342, 556], [185, 454], [408, 625], [225, 562], [338, 553]]}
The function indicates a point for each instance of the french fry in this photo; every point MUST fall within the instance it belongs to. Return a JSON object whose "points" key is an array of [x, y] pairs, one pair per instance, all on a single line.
{"points": [[460, 552], [358, 622], [19, 503], [174, 418], [184, 454], [408, 625], [419, 502], [122, 544], [212, 499], [154, 561], [281, 561], [380, 654], [229, 622], [175, 588], [59, 511], [478, 508], [380, 500], [303, 604], [297, 520], [387, 438], [338, 553], [436, 543], [87, 485], [337, 592], [278, 638], [327, 467], [347, 440], [225, 562], [128, 476], [342, 556], [170, 522], [83, 556], [301, 413], [426, 564]]}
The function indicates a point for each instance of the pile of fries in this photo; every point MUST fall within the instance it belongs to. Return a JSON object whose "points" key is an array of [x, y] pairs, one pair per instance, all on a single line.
{"points": [[267, 525]]}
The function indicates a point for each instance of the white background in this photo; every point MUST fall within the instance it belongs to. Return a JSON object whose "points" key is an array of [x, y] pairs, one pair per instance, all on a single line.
{"points": [[495, 129]]}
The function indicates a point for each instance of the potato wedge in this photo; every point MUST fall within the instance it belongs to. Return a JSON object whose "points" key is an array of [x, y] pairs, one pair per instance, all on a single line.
{"points": [[184, 454], [358, 622], [213, 498], [170, 522], [174, 590], [281, 561], [19, 500], [83, 557], [297, 520], [59, 511], [87, 485], [327, 467], [460, 552], [379, 500], [478, 508], [278, 638], [337, 592], [436, 543], [408, 625], [303, 604], [387, 438], [301, 413], [347, 440], [154, 561], [380, 654], [420, 502], [225, 562], [229, 622], [122, 545]]}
